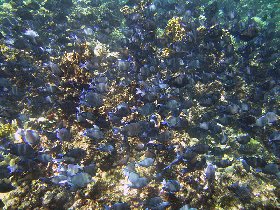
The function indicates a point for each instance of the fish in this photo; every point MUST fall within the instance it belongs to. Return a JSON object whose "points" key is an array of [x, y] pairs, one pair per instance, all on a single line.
{"points": [[6, 187], [158, 99]]}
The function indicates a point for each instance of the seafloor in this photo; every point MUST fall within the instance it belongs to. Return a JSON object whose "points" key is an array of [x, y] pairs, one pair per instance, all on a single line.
{"points": [[139, 104]]}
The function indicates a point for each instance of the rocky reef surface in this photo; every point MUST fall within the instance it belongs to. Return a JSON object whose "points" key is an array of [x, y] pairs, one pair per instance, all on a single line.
{"points": [[139, 104]]}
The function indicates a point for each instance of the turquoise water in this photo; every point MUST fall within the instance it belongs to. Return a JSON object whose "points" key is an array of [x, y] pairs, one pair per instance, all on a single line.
{"points": [[139, 104]]}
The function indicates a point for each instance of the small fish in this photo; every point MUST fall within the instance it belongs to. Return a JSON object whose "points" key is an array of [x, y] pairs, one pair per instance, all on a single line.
{"points": [[90, 169], [31, 137], [31, 33], [147, 162], [44, 158], [4, 171], [118, 206], [73, 169], [76, 153], [5, 187], [242, 192], [171, 185], [94, 133], [91, 99], [244, 139], [122, 110], [132, 129], [80, 180], [156, 203], [22, 150], [106, 148], [139, 183], [60, 179], [268, 119], [63, 134], [210, 172]]}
